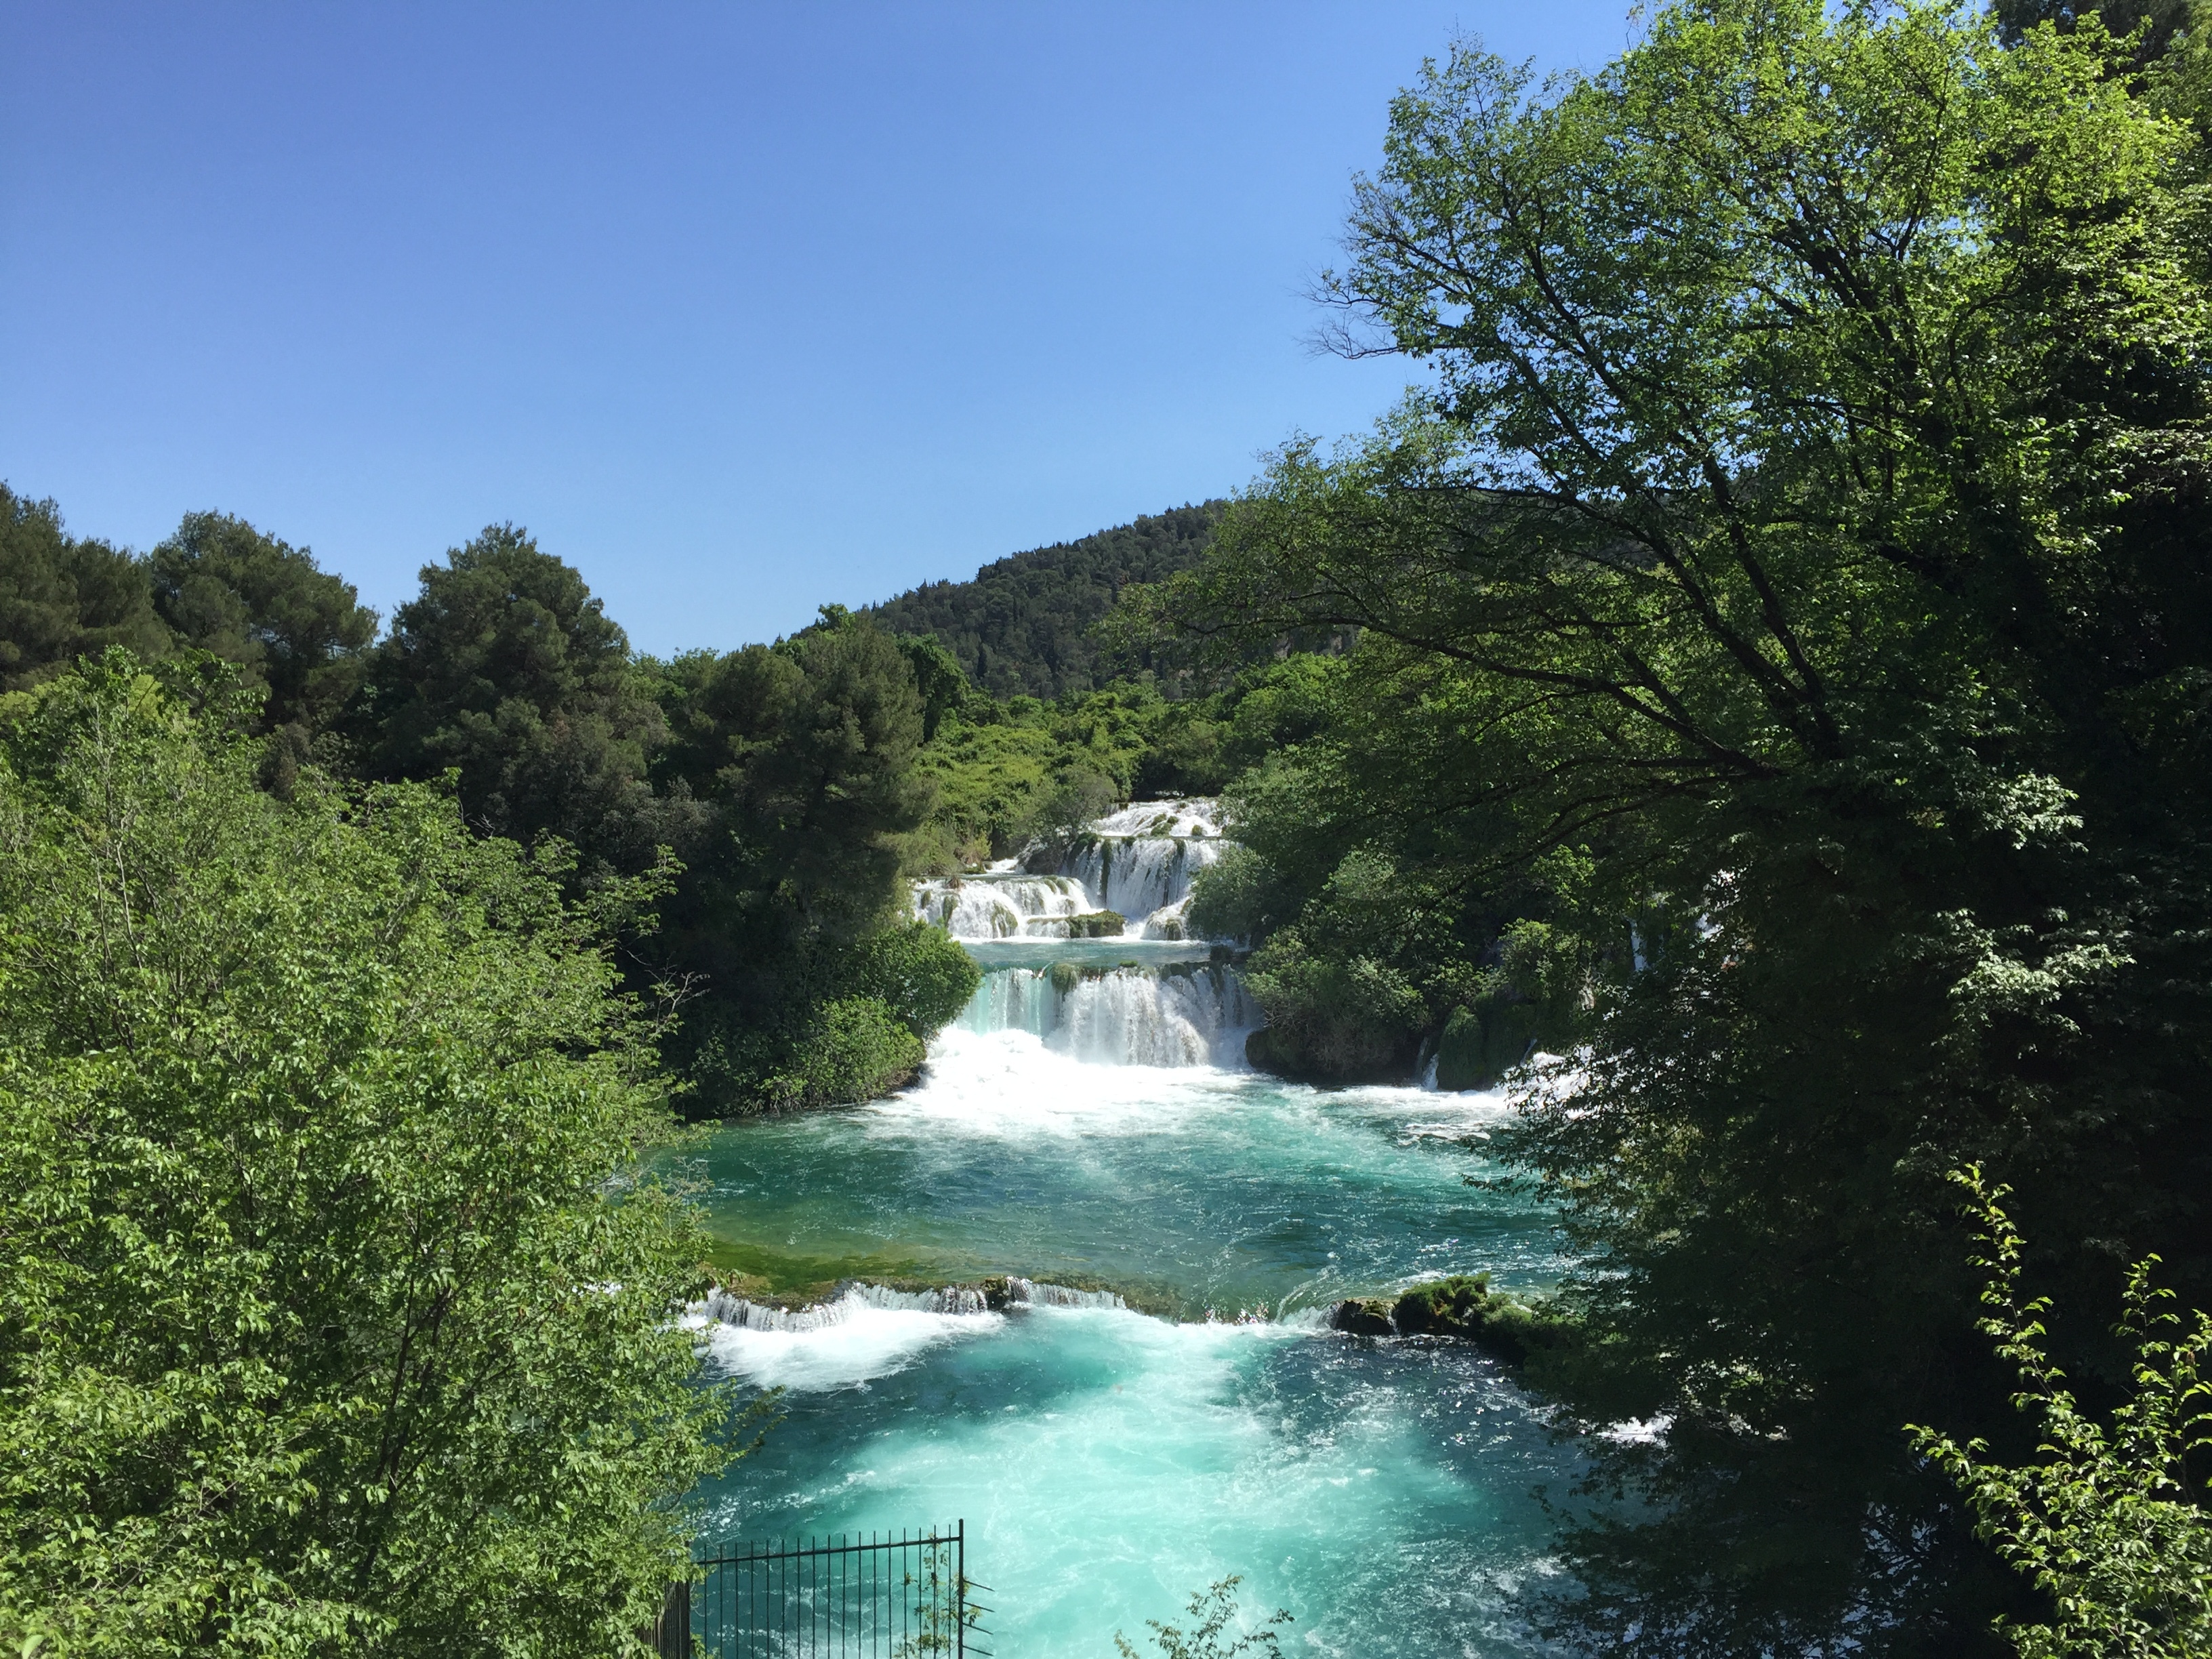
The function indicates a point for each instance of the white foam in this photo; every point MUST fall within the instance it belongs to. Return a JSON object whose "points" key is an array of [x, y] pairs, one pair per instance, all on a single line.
{"points": [[1008, 1083], [1001, 906], [1194, 815], [1144, 877], [1122, 1016], [1035, 1295], [864, 1333]]}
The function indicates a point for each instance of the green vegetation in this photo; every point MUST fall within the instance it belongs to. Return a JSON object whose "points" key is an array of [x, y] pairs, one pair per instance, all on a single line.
{"points": [[1767, 662], [297, 635], [335, 1313], [1215, 1611], [1784, 631], [1024, 627], [802, 759], [1463, 1306], [506, 671], [2109, 1524]]}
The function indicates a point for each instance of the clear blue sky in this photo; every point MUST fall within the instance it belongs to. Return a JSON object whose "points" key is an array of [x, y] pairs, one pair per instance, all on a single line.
{"points": [[740, 308]]}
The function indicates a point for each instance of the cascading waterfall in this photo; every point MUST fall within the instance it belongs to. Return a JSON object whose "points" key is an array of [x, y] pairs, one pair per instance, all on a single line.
{"points": [[1178, 1014], [1136, 863], [856, 1301], [1036, 1295], [993, 907], [1146, 878]]}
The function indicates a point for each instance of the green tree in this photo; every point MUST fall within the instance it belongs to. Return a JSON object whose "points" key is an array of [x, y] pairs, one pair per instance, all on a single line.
{"points": [[2109, 1523], [1797, 535], [61, 598], [253, 600], [810, 988], [335, 1312], [506, 669]]}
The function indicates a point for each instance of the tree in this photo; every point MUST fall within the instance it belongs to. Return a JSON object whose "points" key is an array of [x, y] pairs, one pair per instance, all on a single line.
{"points": [[811, 989], [2109, 1523], [253, 600], [506, 669], [1801, 534], [61, 598], [337, 1312]]}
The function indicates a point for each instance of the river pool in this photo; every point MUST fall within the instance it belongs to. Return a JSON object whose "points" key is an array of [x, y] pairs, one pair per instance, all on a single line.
{"points": [[1109, 1461]]}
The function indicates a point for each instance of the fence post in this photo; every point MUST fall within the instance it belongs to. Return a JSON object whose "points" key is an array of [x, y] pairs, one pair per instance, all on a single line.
{"points": [[670, 1634]]}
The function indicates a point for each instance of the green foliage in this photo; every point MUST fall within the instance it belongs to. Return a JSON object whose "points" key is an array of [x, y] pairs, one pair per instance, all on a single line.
{"points": [[1215, 1610], [855, 1048], [916, 970], [804, 757], [1007, 772], [937, 681], [1535, 997], [1023, 627], [1463, 1306], [1790, 590], [61, 598], [2108, 1522], [296, 634], [505, 669], [335, 1312], [253, 600]]}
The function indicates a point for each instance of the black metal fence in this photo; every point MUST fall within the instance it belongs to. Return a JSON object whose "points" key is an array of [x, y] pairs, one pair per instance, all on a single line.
{"points": [[883, 1598]]}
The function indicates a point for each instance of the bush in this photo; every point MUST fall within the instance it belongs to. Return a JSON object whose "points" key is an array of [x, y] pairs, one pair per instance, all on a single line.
{"points": [[335, 1312], [2107, 1524], [854, 1049]]}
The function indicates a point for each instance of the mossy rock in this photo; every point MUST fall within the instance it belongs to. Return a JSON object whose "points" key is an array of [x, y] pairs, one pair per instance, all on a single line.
{"points": [[1268, 1049], [1462, 1308], [1367, 1315], [1066, 976], [1097, 924]]}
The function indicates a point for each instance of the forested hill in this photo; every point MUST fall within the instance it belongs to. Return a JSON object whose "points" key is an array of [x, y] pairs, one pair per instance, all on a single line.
{"points": [[1023, 625]]}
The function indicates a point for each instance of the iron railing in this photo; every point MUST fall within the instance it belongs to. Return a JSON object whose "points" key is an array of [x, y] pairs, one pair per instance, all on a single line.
{"points": [[883, 1598]]}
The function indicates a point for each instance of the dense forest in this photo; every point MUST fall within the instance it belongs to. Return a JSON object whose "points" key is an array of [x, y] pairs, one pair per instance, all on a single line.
{"points": [[1026, 625]]}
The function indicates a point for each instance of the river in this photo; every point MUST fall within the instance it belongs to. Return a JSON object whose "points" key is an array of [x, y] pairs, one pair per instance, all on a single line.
{"points": [[1089, 1124]]}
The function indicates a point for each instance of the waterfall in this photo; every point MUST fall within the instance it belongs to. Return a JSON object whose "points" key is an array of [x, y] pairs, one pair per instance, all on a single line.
{"points": [[723, 1308], [856, 1301], [1194, 816], [1146, 878], [1182, 1014], [1057, 1295], [1137, 862], [1001, 906]]}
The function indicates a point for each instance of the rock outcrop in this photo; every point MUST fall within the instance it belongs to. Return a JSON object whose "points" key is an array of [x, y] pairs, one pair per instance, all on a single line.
{"points": [[1462, 1307]]}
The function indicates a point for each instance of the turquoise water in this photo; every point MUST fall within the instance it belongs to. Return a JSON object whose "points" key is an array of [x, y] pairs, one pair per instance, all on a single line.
{"points": [[1109, 1462]]}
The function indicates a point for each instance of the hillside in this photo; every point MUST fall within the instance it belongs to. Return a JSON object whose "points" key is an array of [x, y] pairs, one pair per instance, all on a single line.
{"points": [[1022, 625]]}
